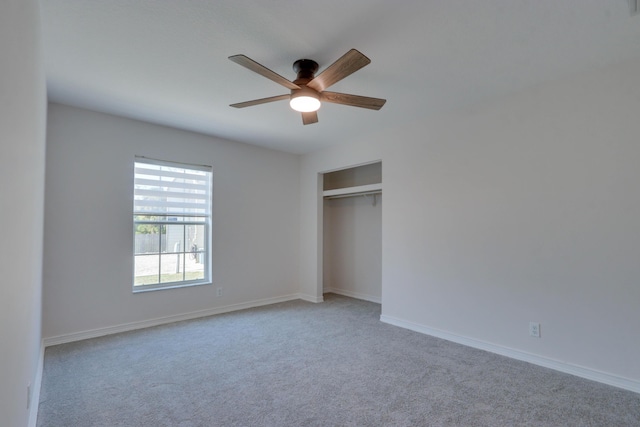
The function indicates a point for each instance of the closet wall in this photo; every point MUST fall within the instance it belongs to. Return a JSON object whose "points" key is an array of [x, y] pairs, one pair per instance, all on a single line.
{"points": [[352, 232]]}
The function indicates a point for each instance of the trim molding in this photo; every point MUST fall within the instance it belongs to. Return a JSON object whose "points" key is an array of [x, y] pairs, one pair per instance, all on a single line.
{"points": [[568, 368], [99, 332], [356, 295], [311, 298], [34, 401]]}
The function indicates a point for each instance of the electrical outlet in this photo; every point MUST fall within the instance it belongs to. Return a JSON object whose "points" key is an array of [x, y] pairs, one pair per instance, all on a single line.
{"points": [[219, 292], [534, 329]]}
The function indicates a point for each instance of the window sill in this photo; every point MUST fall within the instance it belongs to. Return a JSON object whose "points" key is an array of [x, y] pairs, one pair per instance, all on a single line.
{"points": [[151, 288]]}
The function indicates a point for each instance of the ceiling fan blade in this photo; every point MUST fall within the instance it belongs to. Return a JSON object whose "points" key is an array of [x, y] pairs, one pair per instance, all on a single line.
{"points": [[260, 101], [249, 63], [348, 64], [353, 100], [310, 118]]}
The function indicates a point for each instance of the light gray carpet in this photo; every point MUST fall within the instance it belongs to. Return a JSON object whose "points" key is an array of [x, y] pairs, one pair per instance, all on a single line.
{"points": [[303, 364]]}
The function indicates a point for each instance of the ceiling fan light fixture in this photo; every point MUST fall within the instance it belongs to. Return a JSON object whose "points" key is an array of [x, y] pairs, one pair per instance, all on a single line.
{"points": [[308, 91], [304, 100], [305, 104]]}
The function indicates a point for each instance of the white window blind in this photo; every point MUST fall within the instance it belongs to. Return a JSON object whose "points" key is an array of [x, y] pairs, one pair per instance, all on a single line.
{"points": [[168, 189]]}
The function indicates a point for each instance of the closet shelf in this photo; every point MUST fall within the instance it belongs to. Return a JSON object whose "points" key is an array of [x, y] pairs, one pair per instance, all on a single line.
{"points": [[353, 191]]}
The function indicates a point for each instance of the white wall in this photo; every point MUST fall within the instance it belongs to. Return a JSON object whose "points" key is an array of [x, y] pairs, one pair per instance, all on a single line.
{"points": [[88, 254], [522, 210], [352, 247], [22, 162]]}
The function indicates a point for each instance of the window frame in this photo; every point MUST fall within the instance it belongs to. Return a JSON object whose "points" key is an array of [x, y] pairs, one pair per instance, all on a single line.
{"points": [[166, 220]]}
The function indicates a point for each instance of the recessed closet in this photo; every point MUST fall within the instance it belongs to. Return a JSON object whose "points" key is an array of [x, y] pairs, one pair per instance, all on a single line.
{"points": [[352, 232]]}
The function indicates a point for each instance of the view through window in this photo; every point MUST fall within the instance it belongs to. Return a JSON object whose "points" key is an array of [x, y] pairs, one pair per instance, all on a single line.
{"points": [[171, 224]]}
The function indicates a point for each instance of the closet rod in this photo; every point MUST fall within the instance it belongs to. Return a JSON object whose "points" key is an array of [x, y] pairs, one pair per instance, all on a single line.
{"points": [[341, 196]]}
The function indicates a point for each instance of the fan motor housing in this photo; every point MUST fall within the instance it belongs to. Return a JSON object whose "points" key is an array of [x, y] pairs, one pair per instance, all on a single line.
{"points": [[305, 69]]}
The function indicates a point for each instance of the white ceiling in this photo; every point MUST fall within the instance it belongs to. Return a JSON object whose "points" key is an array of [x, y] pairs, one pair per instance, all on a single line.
{"points": [[165, 61]]}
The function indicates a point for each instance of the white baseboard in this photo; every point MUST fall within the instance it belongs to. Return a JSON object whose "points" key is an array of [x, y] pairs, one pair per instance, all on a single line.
{"points": [[568, 368], [99, 332], [35, 389], [352, 294], [311, 298]]}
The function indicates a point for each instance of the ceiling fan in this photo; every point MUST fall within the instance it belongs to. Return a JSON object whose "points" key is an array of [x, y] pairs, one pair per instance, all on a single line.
{"points": [[308, 90]]}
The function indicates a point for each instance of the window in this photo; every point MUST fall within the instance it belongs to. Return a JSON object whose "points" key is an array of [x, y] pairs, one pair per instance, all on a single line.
{"points": [[171, 224]]}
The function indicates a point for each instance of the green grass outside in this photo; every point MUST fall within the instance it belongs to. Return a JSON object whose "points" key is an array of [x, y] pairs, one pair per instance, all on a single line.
{"points": [[167, 278]]}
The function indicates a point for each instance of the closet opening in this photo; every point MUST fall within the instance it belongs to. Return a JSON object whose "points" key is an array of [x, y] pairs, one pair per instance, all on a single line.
{"points": [[352, 232]]}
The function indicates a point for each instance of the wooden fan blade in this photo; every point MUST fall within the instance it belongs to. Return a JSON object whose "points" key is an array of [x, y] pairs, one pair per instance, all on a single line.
{"points": [[310, 118], [348, 64], [263, 71], [260, 101], [353, 100]]}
